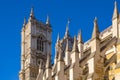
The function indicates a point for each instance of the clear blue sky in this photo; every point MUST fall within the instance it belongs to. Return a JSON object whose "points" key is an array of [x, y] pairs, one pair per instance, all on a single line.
{"points": [[80, 12]]}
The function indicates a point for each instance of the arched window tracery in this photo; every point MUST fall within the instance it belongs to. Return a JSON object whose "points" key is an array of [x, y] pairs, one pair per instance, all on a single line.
{"points": [[40, 43]]}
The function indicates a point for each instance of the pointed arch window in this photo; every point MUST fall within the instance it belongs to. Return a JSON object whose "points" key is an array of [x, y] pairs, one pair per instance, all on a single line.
{"points": [[40, 43]]}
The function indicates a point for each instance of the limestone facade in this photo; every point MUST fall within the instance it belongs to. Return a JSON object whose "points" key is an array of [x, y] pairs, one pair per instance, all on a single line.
{"points": [[96, 59]]}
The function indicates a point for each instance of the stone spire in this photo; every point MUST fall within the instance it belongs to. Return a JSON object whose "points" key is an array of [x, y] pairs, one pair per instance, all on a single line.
{"points": [[48, 63], [32, 12], [75, 47], [48, 20], [80, 37], [115, 13], [95, 33], [67, 29]]}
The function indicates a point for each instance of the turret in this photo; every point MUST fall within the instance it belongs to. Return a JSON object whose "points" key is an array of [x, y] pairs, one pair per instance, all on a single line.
{"points": [[48, 20], [74, 68], [32, 12], [96, 32], [32, 17], [75, 52], [95, 50], [39, 45], [116, 12], [95, 37]]}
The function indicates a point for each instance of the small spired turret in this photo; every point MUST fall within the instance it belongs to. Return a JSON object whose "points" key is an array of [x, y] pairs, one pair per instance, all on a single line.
{"points": [[115, 19], [96, 32], [32, 12], [32, 17], [74, 68], [48, 20], [116, 12], [95, 37]]}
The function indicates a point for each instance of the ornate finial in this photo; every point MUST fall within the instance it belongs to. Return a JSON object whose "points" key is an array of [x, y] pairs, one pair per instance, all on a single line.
{"points": [[75, 47], [80, 37], [48, 20], [116, 12], [95, 33], [32, 12]]}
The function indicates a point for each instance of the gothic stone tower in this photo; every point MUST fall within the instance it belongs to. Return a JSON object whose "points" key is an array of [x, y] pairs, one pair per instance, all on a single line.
{"points": [[35, 46]]}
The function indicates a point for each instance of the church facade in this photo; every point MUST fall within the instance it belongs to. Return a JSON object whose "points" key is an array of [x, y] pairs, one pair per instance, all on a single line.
{"points": [[96, 59]]}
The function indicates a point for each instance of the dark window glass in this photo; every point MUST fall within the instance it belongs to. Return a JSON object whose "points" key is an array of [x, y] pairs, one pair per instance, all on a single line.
{"points": [[40, 44]]}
